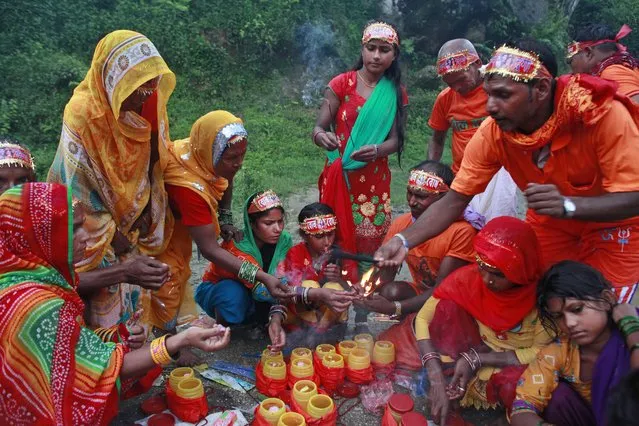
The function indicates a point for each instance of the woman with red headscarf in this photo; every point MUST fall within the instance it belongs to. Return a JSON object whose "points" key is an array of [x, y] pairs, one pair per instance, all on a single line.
{"points": [[482, 320]]}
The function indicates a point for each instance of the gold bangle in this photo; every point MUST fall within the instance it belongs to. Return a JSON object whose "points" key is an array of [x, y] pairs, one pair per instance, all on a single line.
{"points": [[159, 352]]}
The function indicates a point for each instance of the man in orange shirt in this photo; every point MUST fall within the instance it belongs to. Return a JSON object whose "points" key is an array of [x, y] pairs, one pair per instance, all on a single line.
{"points": [[596, 50], [462, 107], [431, 261], [571, 145]]}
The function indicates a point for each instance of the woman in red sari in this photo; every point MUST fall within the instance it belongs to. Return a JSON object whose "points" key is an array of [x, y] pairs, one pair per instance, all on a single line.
{"points": [[54, 370]]}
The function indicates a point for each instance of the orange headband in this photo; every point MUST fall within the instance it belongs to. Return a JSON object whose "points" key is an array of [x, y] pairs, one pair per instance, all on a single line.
{"points": [[265, 201], [457, 61], [319, 224], [516, 64], [15, 155], [577, 46], [380, 31], [426, 182]]}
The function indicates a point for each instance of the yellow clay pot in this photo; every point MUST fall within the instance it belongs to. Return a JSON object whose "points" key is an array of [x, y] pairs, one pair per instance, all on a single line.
{"points": [[275, 370], [291, 419], [272, 409], [303, 391], [383, 352], [359, 359], [345, 347], [302, 367], [179, 374], [190, 388], [267, 356], [304, 353], [365, 341], [324, 349], [333, 286], [319, 406], [310, 284], [333, 361]]}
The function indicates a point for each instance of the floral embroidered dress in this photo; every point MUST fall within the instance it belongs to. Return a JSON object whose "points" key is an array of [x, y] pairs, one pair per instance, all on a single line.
{"points": [[369, 186]]}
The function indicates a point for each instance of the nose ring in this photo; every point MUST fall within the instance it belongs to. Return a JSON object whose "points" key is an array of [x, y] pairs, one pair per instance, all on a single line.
{"points": [[491, 282]]}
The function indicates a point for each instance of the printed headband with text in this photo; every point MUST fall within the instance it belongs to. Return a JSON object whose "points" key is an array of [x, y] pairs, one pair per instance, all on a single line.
{"points": [[319, 224], [265, 201], [426, 182]]}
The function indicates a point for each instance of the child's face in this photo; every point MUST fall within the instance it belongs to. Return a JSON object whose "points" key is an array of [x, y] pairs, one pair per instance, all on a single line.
{"points": [[12, 176], [320, 243], [583, 321]]}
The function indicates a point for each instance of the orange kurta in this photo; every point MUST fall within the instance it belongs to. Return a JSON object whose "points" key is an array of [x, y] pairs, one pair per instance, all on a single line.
{"points": [[425, 259], [627, 78], [584, 161], [463, 113]]}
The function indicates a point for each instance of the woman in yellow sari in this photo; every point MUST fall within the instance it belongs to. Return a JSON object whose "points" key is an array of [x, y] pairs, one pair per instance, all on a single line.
{"points": [[112, 153]]}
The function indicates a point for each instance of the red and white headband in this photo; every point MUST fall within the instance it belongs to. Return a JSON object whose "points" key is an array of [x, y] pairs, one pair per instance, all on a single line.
{"points": [[319, 224], [426, 182]]}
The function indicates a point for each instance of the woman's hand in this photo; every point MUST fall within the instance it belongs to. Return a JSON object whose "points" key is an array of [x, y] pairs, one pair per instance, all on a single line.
{"points": [[439, 401], [332, 272], [229, 232], [208, 339], [326, 140], [146, 272], [377, 303], [337, 301], [623, 310], [366, 154], [278, 289], [136, 338], [463, 373], [276, 333]]}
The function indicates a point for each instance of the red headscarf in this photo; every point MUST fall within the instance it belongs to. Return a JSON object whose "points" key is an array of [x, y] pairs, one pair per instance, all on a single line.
{"points": [[511, 246]]}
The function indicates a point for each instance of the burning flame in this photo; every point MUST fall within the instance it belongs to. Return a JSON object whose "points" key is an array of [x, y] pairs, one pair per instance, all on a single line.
{"points": [[366, 284]]}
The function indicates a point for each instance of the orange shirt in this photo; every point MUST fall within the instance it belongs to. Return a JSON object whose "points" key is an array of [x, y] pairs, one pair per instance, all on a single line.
{"points": [[463, 113], [425, 259], [627, 78], [584, 161]]}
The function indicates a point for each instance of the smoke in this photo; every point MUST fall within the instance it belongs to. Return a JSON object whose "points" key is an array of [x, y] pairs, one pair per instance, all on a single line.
{"points": [[318, 54]]}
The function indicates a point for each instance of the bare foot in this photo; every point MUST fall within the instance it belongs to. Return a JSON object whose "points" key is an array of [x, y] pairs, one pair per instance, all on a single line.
{"points": [[188, 358]]}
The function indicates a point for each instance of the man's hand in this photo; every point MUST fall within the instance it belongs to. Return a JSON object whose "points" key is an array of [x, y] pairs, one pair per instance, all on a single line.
{"points": [[545, 199], [337, 301], [391, 254], [377, 303], [146, 272]]}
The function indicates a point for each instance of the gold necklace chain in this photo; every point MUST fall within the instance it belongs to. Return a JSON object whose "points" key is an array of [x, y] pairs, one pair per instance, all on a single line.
{"points": [[366, 83]]}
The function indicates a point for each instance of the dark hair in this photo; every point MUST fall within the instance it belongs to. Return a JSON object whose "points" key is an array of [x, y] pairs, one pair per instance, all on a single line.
{"points": [[253, 217], [314, 209], [568, 279], [542, 50], [440, 169], [394, 74], [596, 32], [623, 402], [9, 139]]}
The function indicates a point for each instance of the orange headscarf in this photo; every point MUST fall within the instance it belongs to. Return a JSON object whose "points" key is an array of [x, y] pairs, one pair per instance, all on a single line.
{"points": [[104, 152], [511, 246], [192, 161]]}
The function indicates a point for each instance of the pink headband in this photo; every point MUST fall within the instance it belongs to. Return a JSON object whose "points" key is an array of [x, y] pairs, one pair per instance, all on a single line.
{"points": [[457, 61], [578, 46]]}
